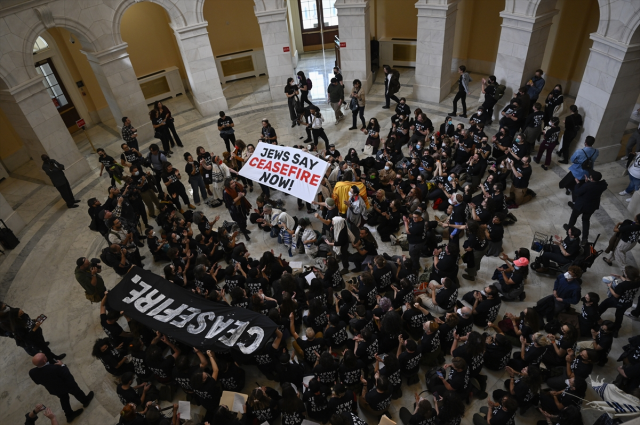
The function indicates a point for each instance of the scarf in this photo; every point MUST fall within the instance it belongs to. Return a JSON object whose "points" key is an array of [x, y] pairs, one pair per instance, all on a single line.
{"points": [[339, 223]]}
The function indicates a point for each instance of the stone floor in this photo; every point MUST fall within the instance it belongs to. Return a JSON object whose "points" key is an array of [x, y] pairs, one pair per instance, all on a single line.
{"points": [[38, 275]]}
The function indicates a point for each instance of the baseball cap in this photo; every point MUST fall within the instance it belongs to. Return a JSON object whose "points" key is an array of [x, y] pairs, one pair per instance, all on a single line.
{"points": [[521, 262], [80, 261], [330, 203]]}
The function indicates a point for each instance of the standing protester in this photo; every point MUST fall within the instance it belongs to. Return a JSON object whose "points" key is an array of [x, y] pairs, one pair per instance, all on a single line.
{"points": [[317, 130], [416, 230], [336, 98], [155, 159], [549, 143], [195, 178], [391, 85], [536, 84], [634, 140], [587, 196], [633, 166], [291, 92], [627, 235], [520, 192], [143, 183], [338, 75], [171, 178], [28, 334], [55, 171], [533, 126], [87, 275], [622, 295], [572, 125], [129, 134], [493, 92], [237, 204], [225, 127], [108, 163], [582, 162], [161, 131], [59, 382], [358, 94], [463, 90], [165, 114], [268, 133], [304, 85]]}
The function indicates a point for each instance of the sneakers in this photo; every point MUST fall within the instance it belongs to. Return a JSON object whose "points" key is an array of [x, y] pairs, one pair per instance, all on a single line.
{"points": [[623, 193], [632, 316], [628, 199]]}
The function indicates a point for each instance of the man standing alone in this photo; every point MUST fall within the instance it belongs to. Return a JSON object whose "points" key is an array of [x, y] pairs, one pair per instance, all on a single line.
{"points": [[55, 171], [336, 98], [587, 196], [535, 84], [57, 379], [463, 90], [87, 276], [572, 125]]}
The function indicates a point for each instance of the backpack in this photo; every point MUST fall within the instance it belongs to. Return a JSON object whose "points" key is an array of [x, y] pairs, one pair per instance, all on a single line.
{"points": [[500, 89], [587, 164], [309, 84], [107, 258]]}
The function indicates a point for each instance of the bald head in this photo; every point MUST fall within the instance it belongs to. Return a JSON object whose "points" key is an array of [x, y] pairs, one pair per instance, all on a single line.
{"points": [[39, 360], [466, 311]]}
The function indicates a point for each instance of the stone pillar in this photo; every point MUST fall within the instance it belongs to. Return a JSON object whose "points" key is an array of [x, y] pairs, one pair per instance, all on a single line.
{"points": [[200, 65], [608, 93], [522, 43], [11, 218], [36, 120], [436, 31], [354, 29], [272, 17], [120, 87]]}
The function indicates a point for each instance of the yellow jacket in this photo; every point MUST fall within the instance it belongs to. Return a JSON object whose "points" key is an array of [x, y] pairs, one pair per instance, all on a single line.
{"points": [[341, 194]]}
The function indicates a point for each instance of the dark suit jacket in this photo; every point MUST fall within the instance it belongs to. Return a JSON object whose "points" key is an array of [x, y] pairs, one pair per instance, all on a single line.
{"points": [[450, 131], [55, 171], [56, 379], [587, 196]]}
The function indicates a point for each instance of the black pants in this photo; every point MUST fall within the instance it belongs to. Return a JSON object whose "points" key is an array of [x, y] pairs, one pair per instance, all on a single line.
{"points": [[180, 192], [462, 95], [73, 389], [318, 133], [548, 307], [612, 302], [309, 132], [388, 98], [228, 140], [488, 107], [67, 194], [566, 143], [586, 222], [166, 147], [301, 205], [172, 128], [554, 255], [139, 208], [304, 98], [359, 111], [158, 181]]}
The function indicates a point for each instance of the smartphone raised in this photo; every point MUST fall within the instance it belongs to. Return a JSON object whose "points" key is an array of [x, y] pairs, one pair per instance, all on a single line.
{"points": [[439, 374], [41, 318]]}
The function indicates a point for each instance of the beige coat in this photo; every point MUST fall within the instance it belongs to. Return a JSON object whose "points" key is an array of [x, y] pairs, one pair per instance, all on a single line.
{"points": [[386, 176], [359, 95]]}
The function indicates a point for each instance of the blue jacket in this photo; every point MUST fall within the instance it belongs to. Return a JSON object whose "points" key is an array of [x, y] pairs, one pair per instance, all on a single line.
{"points": [[536, 88], [569, 291], [579, 157]]}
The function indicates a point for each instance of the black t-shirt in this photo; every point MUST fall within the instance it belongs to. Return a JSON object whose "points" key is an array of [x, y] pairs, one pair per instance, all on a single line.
{"points": [[629, 231], [316, 403], [130, 156], [378, 401], [474, 363], [534, 354], [446, 298], [326, 375], [294, 417], [263, 415], [459, 380], [254, 286], [580, 368], [627, 291], [414, 318], [224, 121], [487, 310], [190, 167], [351, 375], [162, 369], [430, 342], [183, 378], [604, 340], [346, 403], [383, 277], [128, 396], [410, 362], [171, 178], [336, 336], [110, 359], [571, 246], [113, 331], [502, 417], [417, 229], [233, 281], [496, 357], [308, 347], [369, 246], [522, 182], [107, 161], [496, 232], [465, 325], [367, 350], [232, 379]]}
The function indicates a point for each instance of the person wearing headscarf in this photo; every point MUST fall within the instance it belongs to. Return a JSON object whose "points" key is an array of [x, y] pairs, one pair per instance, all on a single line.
{"points": [[342, 239]]}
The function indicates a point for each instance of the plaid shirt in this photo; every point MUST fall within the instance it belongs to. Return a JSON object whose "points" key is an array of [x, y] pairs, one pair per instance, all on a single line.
{"points": [[127, 133]]}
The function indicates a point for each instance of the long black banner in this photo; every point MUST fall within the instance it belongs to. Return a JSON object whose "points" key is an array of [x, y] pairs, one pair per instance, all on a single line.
{"points": [[180, 314]]}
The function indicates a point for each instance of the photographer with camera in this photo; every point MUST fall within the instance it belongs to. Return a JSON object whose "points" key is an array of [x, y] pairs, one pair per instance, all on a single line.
{"points": [[87, 275]]}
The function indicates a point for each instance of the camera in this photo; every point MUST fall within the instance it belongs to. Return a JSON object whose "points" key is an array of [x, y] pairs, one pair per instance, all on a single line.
{"points": [[95, 262]]}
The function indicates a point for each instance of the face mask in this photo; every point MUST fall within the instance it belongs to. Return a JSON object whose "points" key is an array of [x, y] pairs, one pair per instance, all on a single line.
{"points": [[418, 146], [350, 193], [386, 167], [479, 113], [566, 381], [516, 267], [137, 173], [459, 311], [450, 178], [550, 123], [483, 293], [517, 140], [568, 276], [153, 233], [450, 201]]}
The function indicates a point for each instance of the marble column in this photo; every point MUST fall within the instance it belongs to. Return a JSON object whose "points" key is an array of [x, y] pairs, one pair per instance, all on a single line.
{"points": [[354, 29], [11, 218], [120, 87], [34, 117], [523, 40], [608, 92], [200, 65], [436, 31], [272, 17]]}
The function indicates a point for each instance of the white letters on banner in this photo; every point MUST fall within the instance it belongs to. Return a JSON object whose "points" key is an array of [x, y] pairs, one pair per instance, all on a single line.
{"points": [[286, 169]]}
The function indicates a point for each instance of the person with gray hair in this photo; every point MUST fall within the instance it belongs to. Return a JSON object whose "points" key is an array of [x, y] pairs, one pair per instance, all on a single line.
{"points": [[307, 236]]}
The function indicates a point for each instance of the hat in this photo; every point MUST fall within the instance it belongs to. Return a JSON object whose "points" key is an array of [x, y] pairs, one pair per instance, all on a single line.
{"points": [[80, 261], [330, 203], [521, 262]]}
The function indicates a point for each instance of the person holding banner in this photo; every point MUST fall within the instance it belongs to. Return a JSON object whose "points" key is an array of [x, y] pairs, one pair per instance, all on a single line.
{"points": [[238, 206]]}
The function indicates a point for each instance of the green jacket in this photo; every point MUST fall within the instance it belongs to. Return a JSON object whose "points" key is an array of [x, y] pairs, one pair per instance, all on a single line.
{"points": [[336, 93], [84, 279]]}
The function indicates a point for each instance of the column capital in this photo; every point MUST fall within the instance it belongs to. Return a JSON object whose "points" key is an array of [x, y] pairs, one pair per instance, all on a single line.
{"points": [[191, 31], [443, 5], [272, 15], [614, 49], [526, 22], [23, 90], [351, 4], [111, 54]]}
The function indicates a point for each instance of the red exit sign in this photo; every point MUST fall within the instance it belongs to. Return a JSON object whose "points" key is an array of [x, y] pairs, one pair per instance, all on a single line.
{"points": [[343, 44], [80, 123], [285, 49]]}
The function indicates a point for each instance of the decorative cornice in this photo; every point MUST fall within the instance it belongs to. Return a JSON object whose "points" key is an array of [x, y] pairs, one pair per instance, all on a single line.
{"points": [[25, 5], [16, 90], [108, 55], [45, 15]]}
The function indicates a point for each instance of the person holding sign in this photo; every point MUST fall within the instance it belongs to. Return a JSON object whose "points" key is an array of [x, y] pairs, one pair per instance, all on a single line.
{"points": [[237, 204]]}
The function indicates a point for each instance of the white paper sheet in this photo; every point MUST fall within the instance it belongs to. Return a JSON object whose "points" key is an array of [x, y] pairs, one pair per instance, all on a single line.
{"points": [[184, 408], [310, 277], [295, 264], [238, 403]]}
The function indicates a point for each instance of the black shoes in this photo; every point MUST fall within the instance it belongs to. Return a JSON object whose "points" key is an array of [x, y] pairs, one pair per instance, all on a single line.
{"points": [[536, 160], [60, 357], [353, 128], [565, 226], [567, 192], [544, 167], [89, 398], [463, 115], [467, 277], [452, 114], [385, 107], [563, 162], [570, 204], [72, 206], [74, 415], [76, 200]]}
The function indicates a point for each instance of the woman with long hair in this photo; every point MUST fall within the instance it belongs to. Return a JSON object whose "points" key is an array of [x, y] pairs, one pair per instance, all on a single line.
{"points": [[171, 178], [358, 93], [303, 87], [423, 413], [193, 170], [451, 410], [161, 131], [475, 248], [262, 405], [292, 408], [238, 155], [238, 206], [352, 157], [205, 159], [291, 92], [373, 134], [165, 114], [28, 334], [112, 359], [555, 98]]}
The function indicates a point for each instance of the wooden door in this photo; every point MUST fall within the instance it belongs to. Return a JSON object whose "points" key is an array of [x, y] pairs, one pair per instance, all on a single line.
{"points": [[59, 94], [319, 21]]}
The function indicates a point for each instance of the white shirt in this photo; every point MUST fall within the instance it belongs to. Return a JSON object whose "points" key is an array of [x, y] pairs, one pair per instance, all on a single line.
{"points": [[634, 168], [317, 123]]}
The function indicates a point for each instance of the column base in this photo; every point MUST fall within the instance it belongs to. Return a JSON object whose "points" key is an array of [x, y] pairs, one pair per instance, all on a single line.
{"points": [[429, 93], [277, 92], [211, 107]]}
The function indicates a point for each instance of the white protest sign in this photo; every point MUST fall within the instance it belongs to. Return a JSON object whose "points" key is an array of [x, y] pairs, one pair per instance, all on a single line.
{"points": [[286, 169]]}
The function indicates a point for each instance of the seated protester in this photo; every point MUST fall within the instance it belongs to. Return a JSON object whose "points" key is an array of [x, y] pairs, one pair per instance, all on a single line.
{"points": [[363, 319], [526, 324], [367, 290], [376, 396], [471, 174], [499, 200], [317, 317], [390, 327], [566, 292], [109, 323], [391, 221], [138, 359], [409, 359], [342, 400], [441, 298], [478, 117], [336, 332], [366, 346], [501, 412], [400, 129], [390, 371], [512, 116], [350, 369], [589, 315], [494, 232], [402, 295], [457, 217], [414, 317], [420, 130], [555, 401], [112, 359], [326, 371], [206, 386], [485, 305], [430, 344], [255, 282], [306, 347], [331, 277], [316, 402], [472, 351], [458, 381], [477, 132], [262, 406], [346, 306], [159, 365], [401, 109], [556, 355], [510, 279], [448, 324], [578, 364], [404, 270], [239, 298], [529, 354], [129, 416], [464, 147], [382, 273], [379, 205], [132, 394], [445, 262], [560, 252], [447, 128], [523, 386], [497, 352], [205, 280], [602, 340], [291, 407], [183, 371], [483, 213], [366, 247]]}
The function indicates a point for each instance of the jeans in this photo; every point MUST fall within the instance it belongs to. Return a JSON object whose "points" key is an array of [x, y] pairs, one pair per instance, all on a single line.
{"points": [[355, 113], [462, 95], [197, 182], [634, 184]]}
